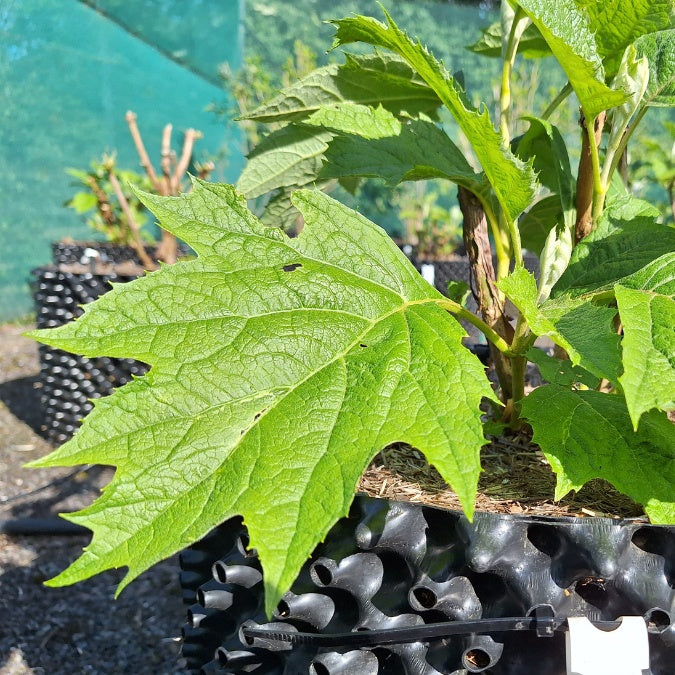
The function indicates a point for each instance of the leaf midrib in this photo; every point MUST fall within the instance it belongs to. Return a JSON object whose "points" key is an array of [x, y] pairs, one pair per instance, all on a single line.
{"points": [[212, 475], [284, 391]]}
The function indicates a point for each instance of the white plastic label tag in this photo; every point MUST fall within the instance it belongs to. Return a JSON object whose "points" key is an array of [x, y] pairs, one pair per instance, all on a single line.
{"points": [[623, 651], [428, 273]]}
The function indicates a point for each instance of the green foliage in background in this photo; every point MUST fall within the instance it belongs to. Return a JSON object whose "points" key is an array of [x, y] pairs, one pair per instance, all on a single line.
{"points": [[655, 164], [97, 201]]}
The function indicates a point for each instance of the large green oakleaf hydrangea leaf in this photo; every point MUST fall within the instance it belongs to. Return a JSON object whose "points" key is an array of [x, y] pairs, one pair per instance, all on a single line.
{"points": [[514, 181], [279, 368]]}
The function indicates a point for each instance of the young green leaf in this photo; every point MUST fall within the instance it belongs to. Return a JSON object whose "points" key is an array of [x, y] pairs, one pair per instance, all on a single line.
{"points": [[565, 27], [587, 434], [354, 118], [286, 158], [590, 330], [633, 78], [531, 44], [554, 258], [373, 79], [545, 145], [617, 24], [659, 48], [83, 202], [458, 291], [513, 181], [561, 371], [584, 330], [520, 288], [279, 368], [418, 150], [617, 249], [648, 321]]}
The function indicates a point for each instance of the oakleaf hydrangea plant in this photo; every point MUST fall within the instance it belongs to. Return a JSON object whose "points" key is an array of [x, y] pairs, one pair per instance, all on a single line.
{"points": [[280, 366]]}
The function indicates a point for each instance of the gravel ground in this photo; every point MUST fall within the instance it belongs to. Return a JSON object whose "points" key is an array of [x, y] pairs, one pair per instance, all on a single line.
{"points": [[79, 629]]}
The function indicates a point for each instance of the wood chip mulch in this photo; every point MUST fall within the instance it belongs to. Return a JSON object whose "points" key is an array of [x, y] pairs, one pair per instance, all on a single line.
{"points": [[516, 479]]}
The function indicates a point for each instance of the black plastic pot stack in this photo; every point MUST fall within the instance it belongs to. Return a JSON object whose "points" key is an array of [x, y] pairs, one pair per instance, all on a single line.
{"points": [[65, 253], [68, 381], [392, 565]]}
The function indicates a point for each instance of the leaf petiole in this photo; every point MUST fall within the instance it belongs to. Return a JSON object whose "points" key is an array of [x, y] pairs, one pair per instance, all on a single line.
{"points": [[553, 105], [463, 313], [599, 188], [509, 60], [612, 160]]}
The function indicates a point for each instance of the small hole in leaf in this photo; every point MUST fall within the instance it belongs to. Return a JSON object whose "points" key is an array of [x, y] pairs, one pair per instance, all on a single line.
{"points": [[291, 267], [362, 345]]}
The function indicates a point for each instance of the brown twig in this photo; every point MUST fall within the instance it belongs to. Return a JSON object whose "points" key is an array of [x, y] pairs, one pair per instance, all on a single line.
{"points": [[142, 153], [585, 182], [103, 203], [172, 173], [485, 291], [191, 135], [137, 244], [204, 170], [167, 179]]}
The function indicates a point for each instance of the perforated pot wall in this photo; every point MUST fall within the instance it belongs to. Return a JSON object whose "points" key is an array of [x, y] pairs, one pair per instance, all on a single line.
{"points": [[69, 381], [392, 564], [66, 253]]}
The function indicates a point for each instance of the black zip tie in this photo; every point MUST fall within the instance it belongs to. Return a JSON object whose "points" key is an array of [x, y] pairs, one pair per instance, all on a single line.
{"points": [[544, 626], [385, 636]]}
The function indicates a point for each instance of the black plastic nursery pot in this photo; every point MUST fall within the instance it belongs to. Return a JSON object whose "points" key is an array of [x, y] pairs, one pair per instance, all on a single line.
{"points": [[68, 252], [403, 588], [68, 381]]}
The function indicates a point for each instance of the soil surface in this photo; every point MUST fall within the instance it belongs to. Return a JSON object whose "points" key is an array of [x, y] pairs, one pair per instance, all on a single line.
{"points": [[78, 629]]}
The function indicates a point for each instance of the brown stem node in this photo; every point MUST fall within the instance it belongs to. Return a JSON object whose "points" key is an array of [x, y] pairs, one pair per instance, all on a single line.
{"points": [[484, 287], [585, 181]]}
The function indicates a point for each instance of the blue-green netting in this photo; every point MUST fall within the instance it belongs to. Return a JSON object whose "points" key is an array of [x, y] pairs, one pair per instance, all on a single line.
{"points": [[70, 69], [68, 73]]}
